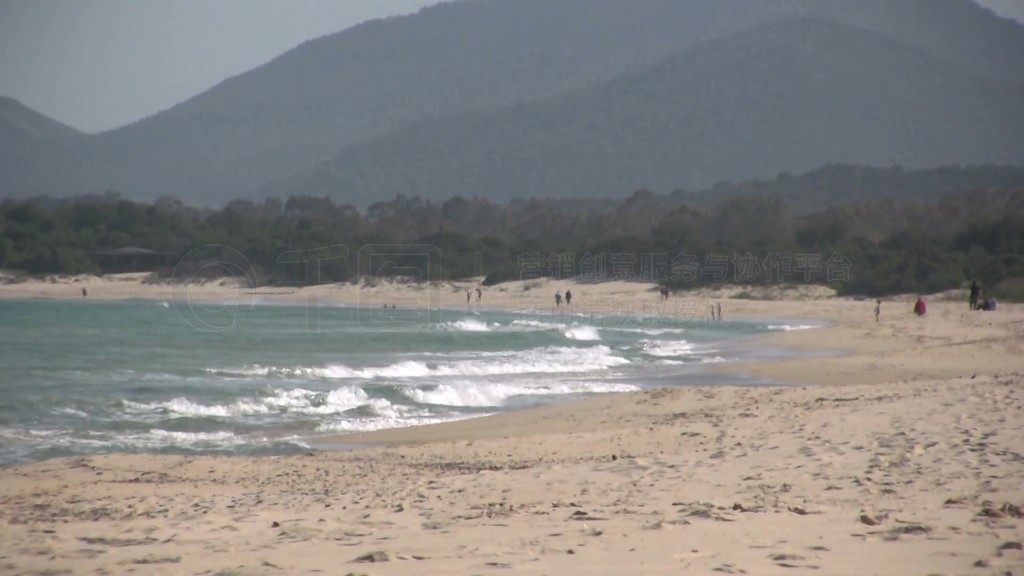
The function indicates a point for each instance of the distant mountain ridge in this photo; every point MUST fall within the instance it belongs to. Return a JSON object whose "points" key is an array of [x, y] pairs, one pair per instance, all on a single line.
{"points": [[442, 76], [22, 129], [19, 124], [786, 96]]}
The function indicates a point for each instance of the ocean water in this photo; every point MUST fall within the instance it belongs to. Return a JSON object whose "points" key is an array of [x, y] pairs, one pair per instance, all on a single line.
{"points": [[84, 377]]}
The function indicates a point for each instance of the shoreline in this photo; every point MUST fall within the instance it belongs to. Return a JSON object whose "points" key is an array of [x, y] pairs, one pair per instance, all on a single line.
{"points": [[903, 455], [715, 375], [732, 351]]}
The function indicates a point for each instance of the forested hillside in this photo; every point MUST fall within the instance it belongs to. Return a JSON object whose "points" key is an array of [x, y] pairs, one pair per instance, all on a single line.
{"points": [[787, 96], [568, 98]]}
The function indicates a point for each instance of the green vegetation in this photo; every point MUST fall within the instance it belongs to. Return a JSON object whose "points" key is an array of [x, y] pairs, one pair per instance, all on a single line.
{"points": [[870, 247]]}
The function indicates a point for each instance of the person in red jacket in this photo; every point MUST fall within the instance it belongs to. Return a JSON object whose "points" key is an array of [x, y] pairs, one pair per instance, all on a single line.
{"points": [[919, 307]]}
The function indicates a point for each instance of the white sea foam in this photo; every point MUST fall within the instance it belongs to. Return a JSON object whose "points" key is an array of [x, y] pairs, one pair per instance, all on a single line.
{"points": [[466, 325], [536, 325], [550, 359], [583, 333], [574, 331], [189, 438], [404, 369], [152, 439], [71, 412], [12, 432], [666, 348], [553, 359], [185, 407], [257, 370], [482, 394], [378, 414], [647, 331], [303, 401], [295, 401], [790, 327], [383, 423]]}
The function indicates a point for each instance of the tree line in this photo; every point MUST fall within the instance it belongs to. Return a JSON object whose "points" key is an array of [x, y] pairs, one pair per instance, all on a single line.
{"points": [[868, 247]]}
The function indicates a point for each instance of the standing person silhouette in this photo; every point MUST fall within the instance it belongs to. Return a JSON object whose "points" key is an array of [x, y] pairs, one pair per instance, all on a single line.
{"points": [[568, 297], [558, 298], [878, 309], [975, 291]]}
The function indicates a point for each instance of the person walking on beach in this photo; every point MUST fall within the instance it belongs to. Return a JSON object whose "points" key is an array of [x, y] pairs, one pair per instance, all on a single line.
{"points": [[975, 291], [479, 293], [84, 292], [558, 298], [878, 309], [719, 310], [919, 307], [568, 297]]}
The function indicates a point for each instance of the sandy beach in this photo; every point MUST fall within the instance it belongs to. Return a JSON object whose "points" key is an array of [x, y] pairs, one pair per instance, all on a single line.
{"points": [[891, 447]]}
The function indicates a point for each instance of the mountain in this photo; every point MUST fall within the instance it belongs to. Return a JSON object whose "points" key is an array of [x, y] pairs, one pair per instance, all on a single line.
{"points": [[19, 125], [957, 31], [440, 74], [790, 95], [304, 106], [22, 130]]}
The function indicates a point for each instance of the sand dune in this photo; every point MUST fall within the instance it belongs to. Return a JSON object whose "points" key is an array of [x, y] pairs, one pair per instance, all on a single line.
{"points": [[900, 450]]}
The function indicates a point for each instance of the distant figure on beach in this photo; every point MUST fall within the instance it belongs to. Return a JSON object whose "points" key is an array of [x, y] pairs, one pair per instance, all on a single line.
{"points": [[84, 292], [558, 298], [479, 293], [919, 307], [719, 310], [987, 304], [975, 291], [468, 293], [664, 292], [568, 297], [878, 309]]}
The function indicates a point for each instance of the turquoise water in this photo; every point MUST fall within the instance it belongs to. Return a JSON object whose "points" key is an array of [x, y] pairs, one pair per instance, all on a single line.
{"points": [[81, 377]]}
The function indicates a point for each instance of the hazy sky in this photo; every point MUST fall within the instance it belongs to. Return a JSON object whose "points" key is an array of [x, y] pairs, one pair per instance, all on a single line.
{"points": [[99, 64]]}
